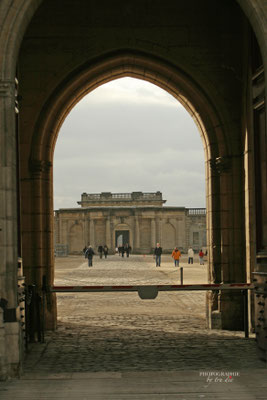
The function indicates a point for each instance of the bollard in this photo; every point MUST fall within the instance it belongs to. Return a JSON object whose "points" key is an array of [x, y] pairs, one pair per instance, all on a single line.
{"points": [[182, 275]]}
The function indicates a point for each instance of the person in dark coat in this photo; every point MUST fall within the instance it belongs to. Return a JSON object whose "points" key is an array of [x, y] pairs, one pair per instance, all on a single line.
{"points": [[89, 253], [157, 253], [100, 251], [128, 249], [105, 249], [122, 251]]}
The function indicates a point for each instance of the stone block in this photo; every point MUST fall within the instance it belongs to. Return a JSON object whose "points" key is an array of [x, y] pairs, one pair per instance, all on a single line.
{"points": [[231, 306], [3, 371], [12, 342]]}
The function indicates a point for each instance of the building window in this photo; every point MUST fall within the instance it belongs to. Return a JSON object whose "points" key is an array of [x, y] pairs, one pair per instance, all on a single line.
{"points": [[204, 239], [195, 238]]}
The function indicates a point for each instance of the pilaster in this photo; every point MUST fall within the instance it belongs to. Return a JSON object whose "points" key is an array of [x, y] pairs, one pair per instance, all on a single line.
{"points": [[10, 334], [158, 230], [8, 195], [108, 233], [86, 229], [153, 233], [92, 233], [137, 233]]}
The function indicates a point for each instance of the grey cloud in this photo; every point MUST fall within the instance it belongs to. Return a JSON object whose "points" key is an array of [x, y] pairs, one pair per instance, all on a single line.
{"points": [[103, 147]]}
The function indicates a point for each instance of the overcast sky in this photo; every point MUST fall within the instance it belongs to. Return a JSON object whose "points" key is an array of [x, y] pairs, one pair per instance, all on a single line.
{"points": [[129, 135]]}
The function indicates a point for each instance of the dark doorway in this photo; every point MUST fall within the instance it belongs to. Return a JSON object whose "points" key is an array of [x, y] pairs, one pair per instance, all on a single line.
{"points": [[122, 238]]}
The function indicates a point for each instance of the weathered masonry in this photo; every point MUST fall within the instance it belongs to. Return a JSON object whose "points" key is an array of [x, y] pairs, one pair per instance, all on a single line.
{"points": [[136, 218], [211, 55]]}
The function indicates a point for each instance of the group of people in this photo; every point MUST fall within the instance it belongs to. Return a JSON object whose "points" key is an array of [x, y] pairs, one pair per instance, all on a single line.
{"points": [[103, 250], [89, 253], [201, 255], [121, 250], [176, 255]]}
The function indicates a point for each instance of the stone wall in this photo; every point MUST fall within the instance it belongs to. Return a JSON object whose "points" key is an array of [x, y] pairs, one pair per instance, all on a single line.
{"points": [[146, 226], [198, 51]]}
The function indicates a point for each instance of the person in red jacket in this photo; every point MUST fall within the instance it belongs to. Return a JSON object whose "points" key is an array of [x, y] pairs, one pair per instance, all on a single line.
{"points": [[176, 254], [201, 257]]}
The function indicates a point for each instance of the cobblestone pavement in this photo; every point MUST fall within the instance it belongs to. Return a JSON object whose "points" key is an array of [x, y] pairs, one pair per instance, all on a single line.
{"points": [[118, 342], [121, 332]]}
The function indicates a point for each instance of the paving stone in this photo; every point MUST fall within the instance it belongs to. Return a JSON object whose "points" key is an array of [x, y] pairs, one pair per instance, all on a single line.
{"points": [[117, 346]]}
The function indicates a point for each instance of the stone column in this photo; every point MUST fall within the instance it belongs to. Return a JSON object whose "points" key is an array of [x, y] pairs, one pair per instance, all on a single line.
{"points": [[108, 233], [92, 233], [64, 231], [214, 239], [112, 233], [228, 238], [10, 338], [137, 233], [132, 232], [177, 234], [8, 195], [232, 243], [153, 233], [86, 230], [39, 249], [57, 229], [158, 231], [48, 225]]}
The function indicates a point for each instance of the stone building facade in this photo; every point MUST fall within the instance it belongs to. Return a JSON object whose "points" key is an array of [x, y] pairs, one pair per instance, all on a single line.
{"points": [[210, 55], [137, 218]]}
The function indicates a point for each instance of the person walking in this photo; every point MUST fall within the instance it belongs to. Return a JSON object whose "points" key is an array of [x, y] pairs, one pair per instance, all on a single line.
{"points": [[89, 253], [128, 249], [122, 251], [105, 249], [176, 254], [157, 253], [84, 249], [190, 255], [100, 251], [201, 257]]}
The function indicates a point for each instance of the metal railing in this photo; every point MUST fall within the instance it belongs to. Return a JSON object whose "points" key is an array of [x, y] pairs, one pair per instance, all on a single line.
{"points": [[151, 291], [35, 304], [196, 211], [121, 196]]}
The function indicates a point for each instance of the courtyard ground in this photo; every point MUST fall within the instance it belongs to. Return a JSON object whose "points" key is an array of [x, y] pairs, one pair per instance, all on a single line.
{"points": [[117, 346]]}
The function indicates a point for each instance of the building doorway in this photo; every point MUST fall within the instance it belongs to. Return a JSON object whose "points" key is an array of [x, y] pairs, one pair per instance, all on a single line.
{"points": [[121, 238]]}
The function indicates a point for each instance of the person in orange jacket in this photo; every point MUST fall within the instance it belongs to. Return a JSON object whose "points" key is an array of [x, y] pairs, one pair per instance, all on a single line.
{"points": [[176, 254]]}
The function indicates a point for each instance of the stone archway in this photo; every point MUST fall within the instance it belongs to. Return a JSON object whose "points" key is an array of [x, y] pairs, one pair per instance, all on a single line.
{"points": [[168, 236], [75, 238], [82, 81], [158, 65]]}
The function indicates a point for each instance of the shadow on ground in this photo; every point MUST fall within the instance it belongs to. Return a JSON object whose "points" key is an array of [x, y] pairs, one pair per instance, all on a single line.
{"points": [[91, 348]]}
